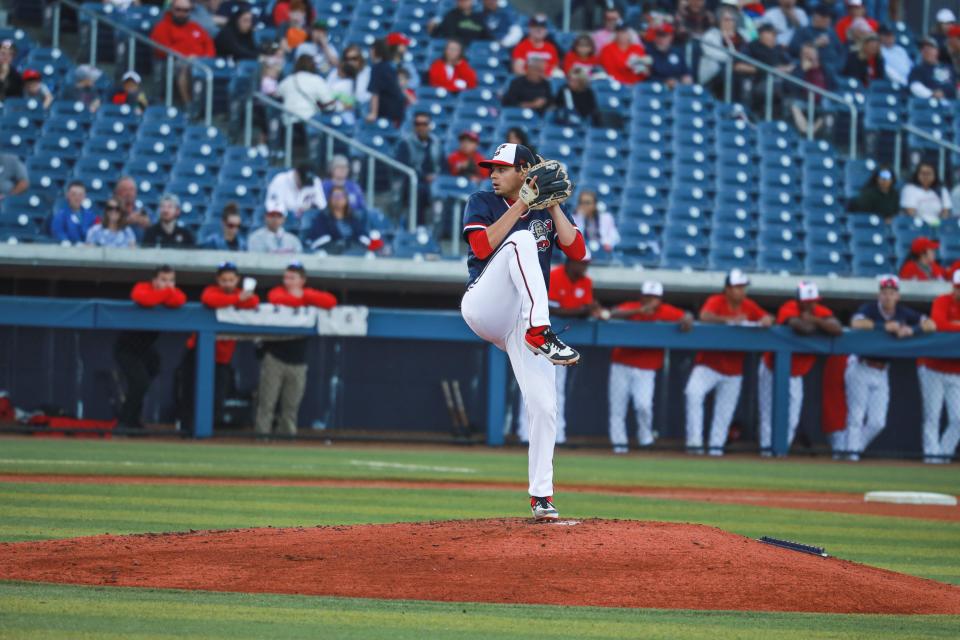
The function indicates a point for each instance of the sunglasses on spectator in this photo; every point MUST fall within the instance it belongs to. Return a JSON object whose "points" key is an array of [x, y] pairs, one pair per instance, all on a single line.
{"points": [[112, 207], [422, 123], [232, 225], [353, 58]]}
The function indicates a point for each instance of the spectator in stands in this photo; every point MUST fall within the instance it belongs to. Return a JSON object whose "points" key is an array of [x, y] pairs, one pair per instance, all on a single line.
{"points": [[922, 263], [34, 87], [952, 48], [283, 8], [73, 220], [536, 46], [403, 79], [811, 71], [134, 214], [897, 60], [879, 195], [693, 19], [612, 19], [668, 64], [786, 18], [463, 161], [461, 23], [718, 41], [865, 62], [294, 29], [226, 293], [169, 232], [206, 14], [272, 237], [599, 228], [229, 238], [134, 351], [84, 88], [11, 83], [13, 176], [583, 54], [924, 197], [451, 71], [337, 228], [501, 23], [397, 46], [931, 78], [576, 102], [295, 191], [340, 177], [303, 92], [625, 60], [130, 93], [423, 153], [721, 371], [820, 32], [236, 39], [746, 23], [324, 54], [946, 20], [856, 21], [283, 370], [112, 230], [387, 99], [350, 82], [177, 31], [531, 90], [518, 135], [766, 50]]}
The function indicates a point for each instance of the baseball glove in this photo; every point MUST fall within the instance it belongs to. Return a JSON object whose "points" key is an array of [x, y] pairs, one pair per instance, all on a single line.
{"points": [[545, 184]]}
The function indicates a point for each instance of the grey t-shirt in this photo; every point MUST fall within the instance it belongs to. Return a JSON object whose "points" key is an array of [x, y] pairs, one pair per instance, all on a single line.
{"points": [[12, 171]]}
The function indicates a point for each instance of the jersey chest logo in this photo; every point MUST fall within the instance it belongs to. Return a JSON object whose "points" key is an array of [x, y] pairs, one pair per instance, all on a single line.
{"points": [[541, 230]]}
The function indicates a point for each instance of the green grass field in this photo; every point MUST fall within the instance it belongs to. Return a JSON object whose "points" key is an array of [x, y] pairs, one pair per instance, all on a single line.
{"points": [[33, 511]]}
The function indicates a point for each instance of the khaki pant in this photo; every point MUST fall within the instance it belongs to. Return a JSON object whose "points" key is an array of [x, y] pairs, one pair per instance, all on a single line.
{"points": [[283, 382]]}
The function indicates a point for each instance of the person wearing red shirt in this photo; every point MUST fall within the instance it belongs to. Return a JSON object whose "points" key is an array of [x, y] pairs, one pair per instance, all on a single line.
{"points": [[856, 18], [135, 351], [624, 60], [535, 45], [463, 161], [940, 384], [571, 296], [922, 264], [633, 372], [583, 53], [452, 71], [175, 30], [720, 370], [806, 316], [227, 292], [283, 371]]}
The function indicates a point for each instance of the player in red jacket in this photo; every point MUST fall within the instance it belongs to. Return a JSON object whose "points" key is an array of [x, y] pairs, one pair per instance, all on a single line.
{"points": [[283, 371], [720, 370], [175, 30], [633, 372], [227, 292], [134, 351], [940, 384]]}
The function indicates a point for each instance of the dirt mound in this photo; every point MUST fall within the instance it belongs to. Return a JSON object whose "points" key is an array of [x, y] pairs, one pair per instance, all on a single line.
{"points": [[592, 562]]}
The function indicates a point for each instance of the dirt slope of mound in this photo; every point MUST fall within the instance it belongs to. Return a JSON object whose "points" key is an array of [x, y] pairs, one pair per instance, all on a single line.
{"points": [[594, 562]]}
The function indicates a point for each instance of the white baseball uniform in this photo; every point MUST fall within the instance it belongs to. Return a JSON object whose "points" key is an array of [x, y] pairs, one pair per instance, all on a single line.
{"points": [[523, 419], [868, 397]]}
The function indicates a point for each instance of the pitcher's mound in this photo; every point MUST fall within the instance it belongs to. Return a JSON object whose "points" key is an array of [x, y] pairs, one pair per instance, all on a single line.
{"points": [[595, 562]]}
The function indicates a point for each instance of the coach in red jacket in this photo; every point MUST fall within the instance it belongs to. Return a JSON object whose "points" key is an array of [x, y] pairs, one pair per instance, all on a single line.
{"points": [[134, 351], [283, 372], [177, 31], [227, 292]]}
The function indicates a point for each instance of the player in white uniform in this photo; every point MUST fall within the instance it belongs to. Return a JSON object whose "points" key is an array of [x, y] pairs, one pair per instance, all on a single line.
{"points": [[510, 242]]}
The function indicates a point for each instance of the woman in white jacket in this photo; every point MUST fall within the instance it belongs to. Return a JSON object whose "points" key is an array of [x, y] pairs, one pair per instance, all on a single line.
{"points": [[725, 36], [303, 92], [598, 227]]}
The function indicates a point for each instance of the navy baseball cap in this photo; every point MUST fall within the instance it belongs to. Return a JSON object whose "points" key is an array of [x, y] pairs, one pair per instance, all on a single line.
{"points": [[509, 155], [223, 267]]}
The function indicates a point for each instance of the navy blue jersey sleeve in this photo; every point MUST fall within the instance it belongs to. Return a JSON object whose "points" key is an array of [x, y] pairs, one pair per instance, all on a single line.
{"points": [[477, 215], [908, 316], [869, 311]]}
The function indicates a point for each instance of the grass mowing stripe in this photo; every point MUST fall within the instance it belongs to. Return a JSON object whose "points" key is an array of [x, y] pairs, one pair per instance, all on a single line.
{"points": [[63, 611], [509, 465]]}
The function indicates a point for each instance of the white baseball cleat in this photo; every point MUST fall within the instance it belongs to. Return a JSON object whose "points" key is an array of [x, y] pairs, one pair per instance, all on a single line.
{"points": [[544, 342], [543, 509]]}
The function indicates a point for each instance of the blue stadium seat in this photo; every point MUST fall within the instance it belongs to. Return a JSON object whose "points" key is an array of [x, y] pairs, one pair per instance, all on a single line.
{"points": [[826, 263], [683, 232], [683, 256], [417, 245], [784, 261], [729, 256], [856, 173], [871, 263]]}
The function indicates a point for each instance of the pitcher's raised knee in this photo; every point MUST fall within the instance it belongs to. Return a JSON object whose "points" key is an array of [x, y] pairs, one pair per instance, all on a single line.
{"points": [[523, 239]]}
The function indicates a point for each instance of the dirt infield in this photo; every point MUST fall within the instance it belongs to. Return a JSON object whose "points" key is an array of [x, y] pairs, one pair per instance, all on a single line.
{"points": [[593, 562], [813, 501]]}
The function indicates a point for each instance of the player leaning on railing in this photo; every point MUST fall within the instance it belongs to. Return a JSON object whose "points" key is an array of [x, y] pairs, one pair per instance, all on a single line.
{"points": [[511, 231]]}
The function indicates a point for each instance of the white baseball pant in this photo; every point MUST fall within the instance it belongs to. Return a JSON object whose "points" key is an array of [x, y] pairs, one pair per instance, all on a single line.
{"points": [[765, 400], [868, 396], [702, 381], [523, 420], [508, 298], [938, 387], [631, 383]]}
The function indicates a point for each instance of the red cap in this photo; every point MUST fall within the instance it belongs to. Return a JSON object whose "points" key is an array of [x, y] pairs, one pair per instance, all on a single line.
{"points": [[954, 31], [396, 39], [664, 27], [923, 243], [31, 74], [469, 134]]}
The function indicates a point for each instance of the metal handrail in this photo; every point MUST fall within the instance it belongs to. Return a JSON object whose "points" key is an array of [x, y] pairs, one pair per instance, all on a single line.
{"points": [[132, 38], [372, 154], [773, 71], [944, 145]]}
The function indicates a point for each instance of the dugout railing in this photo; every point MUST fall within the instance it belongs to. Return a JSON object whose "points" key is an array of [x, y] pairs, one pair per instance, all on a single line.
{"points": [[448, 326]]}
